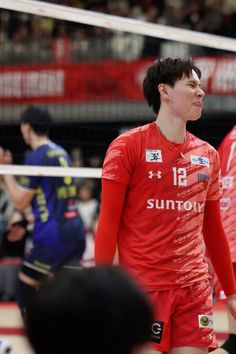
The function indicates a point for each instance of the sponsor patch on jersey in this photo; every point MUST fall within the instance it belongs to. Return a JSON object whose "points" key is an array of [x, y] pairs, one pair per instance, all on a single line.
{"points": [[225, 203], [153, 155], [157, 331], [205, 321], [199, 160], [227, 182], [203, 179]]}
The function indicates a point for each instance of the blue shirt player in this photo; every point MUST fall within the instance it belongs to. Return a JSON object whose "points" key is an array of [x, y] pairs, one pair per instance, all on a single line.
{"points": [[58, 236]]}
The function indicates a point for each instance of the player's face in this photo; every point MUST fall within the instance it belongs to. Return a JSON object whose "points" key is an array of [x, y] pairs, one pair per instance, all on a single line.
{"points": [[25, 131], [186, 98]]}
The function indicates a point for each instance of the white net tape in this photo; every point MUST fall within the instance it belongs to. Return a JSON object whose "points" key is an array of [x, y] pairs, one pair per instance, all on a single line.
{"points": [[18, 170]]}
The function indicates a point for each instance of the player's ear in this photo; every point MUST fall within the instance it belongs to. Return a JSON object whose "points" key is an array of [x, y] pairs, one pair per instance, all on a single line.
{"points": [[162, 88]]}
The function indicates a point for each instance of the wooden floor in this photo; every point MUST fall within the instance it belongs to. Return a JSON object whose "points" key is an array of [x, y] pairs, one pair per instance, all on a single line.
{"points": [[11, 327]]}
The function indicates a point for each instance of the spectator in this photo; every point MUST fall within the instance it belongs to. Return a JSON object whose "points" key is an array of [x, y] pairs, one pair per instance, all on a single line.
{"points": [[87, 205], [88, 259], [13, 235], [61, 44], [6, 208], [77, 157], [94, 310], [12, 250], [152, 46], [14, 240]]}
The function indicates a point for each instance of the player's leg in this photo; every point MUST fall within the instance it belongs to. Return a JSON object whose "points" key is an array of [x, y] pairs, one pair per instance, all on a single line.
{"points": [[189, 350], [182, 350], [26, 287], [42, 262], [35, 268], [152, 351], [228, 347], [222, 351], [232, 323]]}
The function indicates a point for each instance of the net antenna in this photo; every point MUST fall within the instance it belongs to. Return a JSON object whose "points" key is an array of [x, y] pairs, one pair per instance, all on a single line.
{"points": [[120, 23], [110, 22]]}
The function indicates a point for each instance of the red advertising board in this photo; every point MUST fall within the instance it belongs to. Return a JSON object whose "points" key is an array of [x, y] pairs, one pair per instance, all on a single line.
{"points": [[103, 81]]}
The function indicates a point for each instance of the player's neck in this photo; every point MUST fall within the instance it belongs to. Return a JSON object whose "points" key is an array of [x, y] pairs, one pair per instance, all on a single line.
{"points": [[37, 141], [173, 130]]}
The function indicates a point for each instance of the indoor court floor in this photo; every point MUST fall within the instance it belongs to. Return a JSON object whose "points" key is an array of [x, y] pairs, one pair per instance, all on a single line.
{"points": [[11, 327]]}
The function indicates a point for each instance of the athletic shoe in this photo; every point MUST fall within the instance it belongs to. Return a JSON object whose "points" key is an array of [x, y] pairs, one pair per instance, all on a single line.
{"points": [[5, 346]]}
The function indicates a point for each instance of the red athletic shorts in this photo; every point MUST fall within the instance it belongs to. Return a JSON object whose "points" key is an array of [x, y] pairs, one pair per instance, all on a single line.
{"points": [[183, 317]]}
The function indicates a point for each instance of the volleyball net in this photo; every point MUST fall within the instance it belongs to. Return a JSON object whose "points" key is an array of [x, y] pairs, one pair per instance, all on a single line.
{"points": [[87, 67]]}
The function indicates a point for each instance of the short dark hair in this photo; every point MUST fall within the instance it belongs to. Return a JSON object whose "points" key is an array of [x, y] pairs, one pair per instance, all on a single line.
{"points": [[167, 71], [39, 119], [93, 310]]}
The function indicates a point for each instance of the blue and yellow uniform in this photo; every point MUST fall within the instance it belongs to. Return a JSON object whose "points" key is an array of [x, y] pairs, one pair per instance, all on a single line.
{"points": [[58, 234]]}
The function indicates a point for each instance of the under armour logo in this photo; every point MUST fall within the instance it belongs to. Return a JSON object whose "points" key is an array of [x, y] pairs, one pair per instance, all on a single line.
{"points": [[152, 174]]}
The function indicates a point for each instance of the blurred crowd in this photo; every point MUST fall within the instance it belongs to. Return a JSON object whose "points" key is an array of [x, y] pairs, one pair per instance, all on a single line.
{"points": [[28, 38]]}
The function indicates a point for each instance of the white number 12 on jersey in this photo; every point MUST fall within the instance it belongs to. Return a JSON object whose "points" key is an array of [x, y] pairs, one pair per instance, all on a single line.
{"points": [[179, 176]]}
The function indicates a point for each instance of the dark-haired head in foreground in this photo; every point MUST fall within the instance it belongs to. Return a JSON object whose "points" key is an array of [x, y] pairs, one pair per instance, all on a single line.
{"points": [[89, 311]]}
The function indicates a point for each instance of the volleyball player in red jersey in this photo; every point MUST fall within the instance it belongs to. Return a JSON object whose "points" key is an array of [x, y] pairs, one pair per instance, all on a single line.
{"points": [[160, 191], [227, 152]]}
